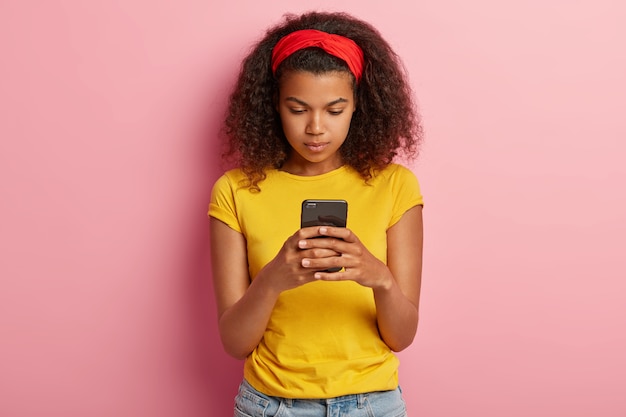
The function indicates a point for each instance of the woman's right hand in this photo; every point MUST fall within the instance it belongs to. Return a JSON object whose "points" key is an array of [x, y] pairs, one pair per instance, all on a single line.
{"points": [[245, 306], [285, 271]]}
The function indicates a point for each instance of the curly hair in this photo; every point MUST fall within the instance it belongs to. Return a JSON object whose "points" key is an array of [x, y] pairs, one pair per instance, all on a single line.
{"points": [[384, 125]]}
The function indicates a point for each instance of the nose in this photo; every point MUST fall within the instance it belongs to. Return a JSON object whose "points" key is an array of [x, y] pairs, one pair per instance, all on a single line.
{"points": [[315, 124]]}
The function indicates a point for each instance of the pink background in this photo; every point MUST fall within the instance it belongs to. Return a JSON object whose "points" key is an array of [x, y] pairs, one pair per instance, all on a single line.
{"points": [[108, 126]]}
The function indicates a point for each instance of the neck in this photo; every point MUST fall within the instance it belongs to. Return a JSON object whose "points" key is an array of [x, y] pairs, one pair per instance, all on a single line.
{"points": [[310, 169]]}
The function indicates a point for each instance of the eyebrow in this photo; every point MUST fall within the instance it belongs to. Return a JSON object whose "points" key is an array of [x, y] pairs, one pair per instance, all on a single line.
{"points": [[303, 103]]}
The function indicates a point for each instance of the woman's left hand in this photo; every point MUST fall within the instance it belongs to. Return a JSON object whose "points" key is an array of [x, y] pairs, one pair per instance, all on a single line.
{"points": [[396, 285], [358, 263]]}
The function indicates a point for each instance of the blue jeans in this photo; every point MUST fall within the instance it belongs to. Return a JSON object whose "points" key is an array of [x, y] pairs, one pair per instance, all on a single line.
{"points": [[251, 403]]}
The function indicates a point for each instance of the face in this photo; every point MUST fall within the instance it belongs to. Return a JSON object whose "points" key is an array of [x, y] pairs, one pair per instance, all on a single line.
{"points": [[315, 111]]}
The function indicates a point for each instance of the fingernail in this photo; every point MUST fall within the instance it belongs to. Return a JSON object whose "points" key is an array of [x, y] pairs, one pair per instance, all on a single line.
{"points": [[302, 244], [306, 262], [317, 276], [323, 230]]}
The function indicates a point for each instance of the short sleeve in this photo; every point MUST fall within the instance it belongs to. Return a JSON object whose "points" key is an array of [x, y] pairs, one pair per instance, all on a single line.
{"points": [[223, 206], [406, 192]]}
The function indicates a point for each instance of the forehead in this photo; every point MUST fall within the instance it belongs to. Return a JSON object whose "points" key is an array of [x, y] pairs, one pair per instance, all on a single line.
{"points": [[308, 86]]}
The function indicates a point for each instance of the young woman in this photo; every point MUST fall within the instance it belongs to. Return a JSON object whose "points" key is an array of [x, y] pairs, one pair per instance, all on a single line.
{"points": [[320, 110]]}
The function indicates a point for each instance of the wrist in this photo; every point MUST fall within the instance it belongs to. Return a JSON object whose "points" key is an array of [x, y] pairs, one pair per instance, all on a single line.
{"points": [[265, 286], [386, 283]]}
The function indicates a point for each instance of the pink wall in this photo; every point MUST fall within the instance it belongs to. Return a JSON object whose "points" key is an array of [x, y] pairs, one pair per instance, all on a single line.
{"points": [[108, 120]]}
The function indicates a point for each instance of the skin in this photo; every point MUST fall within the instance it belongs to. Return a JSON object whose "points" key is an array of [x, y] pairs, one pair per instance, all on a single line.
{"points": [[316, 111]]}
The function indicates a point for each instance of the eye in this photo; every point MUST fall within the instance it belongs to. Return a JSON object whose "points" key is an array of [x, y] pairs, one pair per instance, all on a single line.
{"points": [[335, 112], [296, 110]]}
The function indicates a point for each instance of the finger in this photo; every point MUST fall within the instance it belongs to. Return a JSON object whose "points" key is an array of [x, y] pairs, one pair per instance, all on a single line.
{"points": [[332, 276], [338, 232], [327, 243], [308, 232], [322, 264], [318, 253]]}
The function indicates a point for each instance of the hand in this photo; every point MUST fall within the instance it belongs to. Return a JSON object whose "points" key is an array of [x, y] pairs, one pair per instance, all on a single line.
{"points": [[359, 264], [286, 270]]}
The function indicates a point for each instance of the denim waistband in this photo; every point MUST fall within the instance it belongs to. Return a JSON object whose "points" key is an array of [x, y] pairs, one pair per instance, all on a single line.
{"points": [[359, 399]]}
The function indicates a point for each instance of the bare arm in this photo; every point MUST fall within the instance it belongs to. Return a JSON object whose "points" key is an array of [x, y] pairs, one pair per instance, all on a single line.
{"points": [[396, 286], [397, 304], [244, 307]]}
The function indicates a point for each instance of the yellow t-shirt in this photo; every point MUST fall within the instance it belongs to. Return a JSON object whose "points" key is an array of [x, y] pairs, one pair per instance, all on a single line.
{"points": [[322, 339]]}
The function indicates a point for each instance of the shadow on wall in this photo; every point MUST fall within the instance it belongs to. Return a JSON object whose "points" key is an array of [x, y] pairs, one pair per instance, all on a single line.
{"points": [[219, 374]]}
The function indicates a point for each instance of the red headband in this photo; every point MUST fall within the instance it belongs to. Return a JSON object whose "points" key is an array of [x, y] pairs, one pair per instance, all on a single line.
{"points": [[336, 45]]}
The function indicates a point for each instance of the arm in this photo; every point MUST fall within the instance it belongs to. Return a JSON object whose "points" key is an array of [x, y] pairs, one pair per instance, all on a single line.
{"points": [[244, 307], [397, 303], [396, 286]]}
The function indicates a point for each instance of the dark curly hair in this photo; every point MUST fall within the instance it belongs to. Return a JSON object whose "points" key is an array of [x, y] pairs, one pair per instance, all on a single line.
{"points": [[384, 124]]}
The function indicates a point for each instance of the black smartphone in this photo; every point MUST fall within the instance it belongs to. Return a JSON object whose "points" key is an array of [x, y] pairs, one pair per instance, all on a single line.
{"points": [[324, 213]]}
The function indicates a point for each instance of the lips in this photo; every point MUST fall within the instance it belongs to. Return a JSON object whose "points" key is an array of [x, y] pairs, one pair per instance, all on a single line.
{"points": [[317, 146]]}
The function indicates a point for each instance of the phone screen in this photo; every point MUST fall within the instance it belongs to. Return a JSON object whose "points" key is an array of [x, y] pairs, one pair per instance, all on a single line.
{"points": [[324, 213]]}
